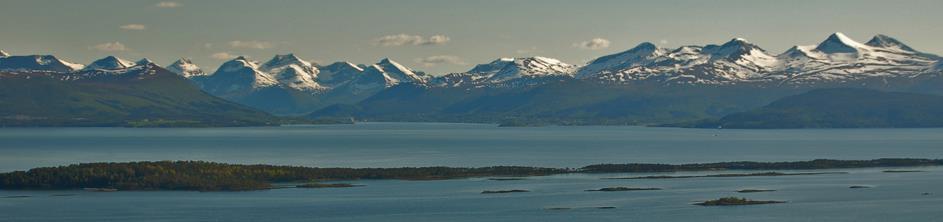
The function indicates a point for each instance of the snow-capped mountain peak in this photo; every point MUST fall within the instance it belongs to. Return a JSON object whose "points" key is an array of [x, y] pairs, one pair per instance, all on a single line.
{"points": [[338, 73], [839, 43], [504, 69], [839, 58], [292, 72], [342, 65], [508, 72], [639, 55], [236, 76], [144, 61], [46, 63], [3, 53], [184, 67], [885, 41], [799, 51], [745, 54], [398, 71], [285, 60], [110, 63], [491, 67], [734, 48], [238, 63], [390, 65]]}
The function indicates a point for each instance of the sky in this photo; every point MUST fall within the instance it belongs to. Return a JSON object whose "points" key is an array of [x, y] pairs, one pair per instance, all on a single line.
{"points": [[440, 36]]}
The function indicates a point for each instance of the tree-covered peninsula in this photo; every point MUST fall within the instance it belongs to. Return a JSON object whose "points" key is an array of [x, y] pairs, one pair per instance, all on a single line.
{"points": [[209, 176]]}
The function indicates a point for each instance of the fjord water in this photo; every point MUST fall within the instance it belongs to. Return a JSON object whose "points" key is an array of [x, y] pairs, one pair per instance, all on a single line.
{"points": [[435, 144], [893, 196]]}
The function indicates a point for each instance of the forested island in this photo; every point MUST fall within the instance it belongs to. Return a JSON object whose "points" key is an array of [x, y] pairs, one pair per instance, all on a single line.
{"points": [[209, 176]]}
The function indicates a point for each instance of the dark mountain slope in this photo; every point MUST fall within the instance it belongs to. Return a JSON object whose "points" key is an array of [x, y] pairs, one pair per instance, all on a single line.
{"points": [[841, 108], [143, 96], [567, 101]]}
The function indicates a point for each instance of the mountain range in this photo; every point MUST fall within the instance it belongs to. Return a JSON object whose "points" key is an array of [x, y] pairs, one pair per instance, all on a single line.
{"points": [[644, 84]]}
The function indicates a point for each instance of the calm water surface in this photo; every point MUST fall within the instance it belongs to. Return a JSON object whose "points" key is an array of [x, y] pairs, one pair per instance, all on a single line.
{"points": [[894, 196], [426, 144]]}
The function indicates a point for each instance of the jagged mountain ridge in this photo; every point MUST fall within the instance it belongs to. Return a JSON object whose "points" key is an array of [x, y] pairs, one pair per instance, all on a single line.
{"points": [[506, 72], [837, 59]]}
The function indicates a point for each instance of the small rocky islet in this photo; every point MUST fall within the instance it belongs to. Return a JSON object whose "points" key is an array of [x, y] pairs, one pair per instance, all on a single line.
{"points": [[754, 190], [736, 201], [617, 189]]}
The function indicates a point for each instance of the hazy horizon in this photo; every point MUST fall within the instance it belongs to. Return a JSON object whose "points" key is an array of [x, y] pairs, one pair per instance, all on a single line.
{"points": [[439, 36]]}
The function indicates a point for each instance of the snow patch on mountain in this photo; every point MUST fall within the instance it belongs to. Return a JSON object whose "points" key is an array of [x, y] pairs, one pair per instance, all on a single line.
{"points": [[3, 53]]}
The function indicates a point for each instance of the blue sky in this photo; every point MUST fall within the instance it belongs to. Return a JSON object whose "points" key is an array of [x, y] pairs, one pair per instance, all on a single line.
{"points": [[440, 36]]}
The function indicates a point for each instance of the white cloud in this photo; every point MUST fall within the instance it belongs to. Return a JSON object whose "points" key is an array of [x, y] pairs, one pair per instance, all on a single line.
{"points": [[222, 56], [593, 44], [250, 44], [440, 59], [437, 40], [168, 4], [663, 41], [406, 39], [134, 27], [110, 47]]}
